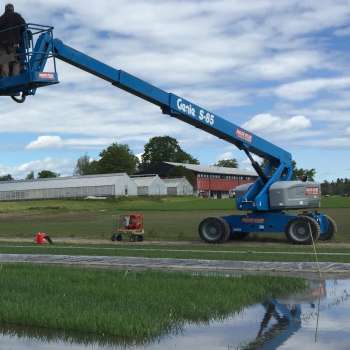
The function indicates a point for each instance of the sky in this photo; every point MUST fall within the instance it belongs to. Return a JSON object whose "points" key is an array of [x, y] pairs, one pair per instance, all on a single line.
{"points": [[280, 69]]}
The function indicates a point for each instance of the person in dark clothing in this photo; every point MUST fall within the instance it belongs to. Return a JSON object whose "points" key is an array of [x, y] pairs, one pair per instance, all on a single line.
{"points": [[12, 25]]}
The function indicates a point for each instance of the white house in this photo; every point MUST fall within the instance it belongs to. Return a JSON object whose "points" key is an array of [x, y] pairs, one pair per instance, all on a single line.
{"points": [[150, 185], [108, 185], [178, 187]]}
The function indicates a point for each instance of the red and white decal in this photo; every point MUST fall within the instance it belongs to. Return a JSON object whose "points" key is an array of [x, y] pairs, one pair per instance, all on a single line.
{"points": [[45, 75], [243, 135], [253, 220], [312, 191]]}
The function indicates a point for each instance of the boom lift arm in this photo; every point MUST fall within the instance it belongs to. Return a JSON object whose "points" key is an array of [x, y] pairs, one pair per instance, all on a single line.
{"points": [[277, 167]]}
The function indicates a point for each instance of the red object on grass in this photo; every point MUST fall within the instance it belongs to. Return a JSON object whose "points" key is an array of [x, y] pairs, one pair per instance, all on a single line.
{"points": [[40, 238], [135, 222]]}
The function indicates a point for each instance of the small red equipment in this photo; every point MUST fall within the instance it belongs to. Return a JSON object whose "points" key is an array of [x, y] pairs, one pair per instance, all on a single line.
{"points": [[42, 238], [131, 225]]}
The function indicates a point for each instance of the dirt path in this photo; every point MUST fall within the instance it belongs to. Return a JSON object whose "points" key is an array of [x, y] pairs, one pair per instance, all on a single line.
{"points": [[192, 265]]}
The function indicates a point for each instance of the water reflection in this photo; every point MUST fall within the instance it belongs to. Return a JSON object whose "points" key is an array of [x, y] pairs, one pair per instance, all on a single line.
{"points": [[286, 324]]}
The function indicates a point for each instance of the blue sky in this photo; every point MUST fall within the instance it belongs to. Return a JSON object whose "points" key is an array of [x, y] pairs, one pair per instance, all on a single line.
{"points": [[279, 68]]}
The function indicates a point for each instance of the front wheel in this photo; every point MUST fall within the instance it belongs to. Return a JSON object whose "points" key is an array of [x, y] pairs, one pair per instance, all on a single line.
{"points": [[331, 231], [300, 229], [214, 230]]}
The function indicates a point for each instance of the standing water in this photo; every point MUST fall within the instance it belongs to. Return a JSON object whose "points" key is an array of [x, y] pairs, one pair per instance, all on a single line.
{"points": [[286, 323]]}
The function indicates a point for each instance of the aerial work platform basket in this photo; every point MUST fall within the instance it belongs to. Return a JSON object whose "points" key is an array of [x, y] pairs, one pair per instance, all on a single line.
{"points": [[131, 225], [33, 57]]}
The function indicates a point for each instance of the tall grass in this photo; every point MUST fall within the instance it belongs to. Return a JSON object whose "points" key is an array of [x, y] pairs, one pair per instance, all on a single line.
{"points": [[133, 306]]}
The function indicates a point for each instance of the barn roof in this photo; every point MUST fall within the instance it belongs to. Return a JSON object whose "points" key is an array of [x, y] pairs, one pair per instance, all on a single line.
{"points": [[211, 169], [144, 180]]}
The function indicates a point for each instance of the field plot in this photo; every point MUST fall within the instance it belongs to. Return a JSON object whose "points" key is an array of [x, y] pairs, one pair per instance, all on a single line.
{"points": [[166, 219], [126, 305]]}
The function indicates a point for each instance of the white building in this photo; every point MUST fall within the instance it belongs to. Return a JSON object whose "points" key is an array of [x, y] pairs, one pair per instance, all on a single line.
{"points": [[109, 185], [178, 187], [150, 185]]}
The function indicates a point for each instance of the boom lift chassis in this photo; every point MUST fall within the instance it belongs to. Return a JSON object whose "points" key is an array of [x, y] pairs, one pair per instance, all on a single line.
{"points": [[274, 177]]}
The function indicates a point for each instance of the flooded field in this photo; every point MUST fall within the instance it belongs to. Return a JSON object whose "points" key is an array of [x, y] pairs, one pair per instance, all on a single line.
{"points": [[315, 319]]}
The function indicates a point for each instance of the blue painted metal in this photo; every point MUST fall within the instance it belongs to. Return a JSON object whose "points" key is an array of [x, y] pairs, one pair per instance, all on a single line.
{"points": [[321, 220], [278, 162], [33, 61], [274, 222], [271, 222]]}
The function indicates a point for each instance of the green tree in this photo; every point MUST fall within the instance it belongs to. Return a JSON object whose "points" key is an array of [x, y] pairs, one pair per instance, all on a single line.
{"points": [[7, 177], [30, 176], [85, 166], [228, 163], [117, 158], [180, 171], [164, 149], [46, 174], [299, 173]]}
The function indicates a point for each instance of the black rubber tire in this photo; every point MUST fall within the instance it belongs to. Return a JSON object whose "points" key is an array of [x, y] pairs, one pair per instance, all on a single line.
{"points": [[119, 238], [332, 230], [238, 236], [20, 99], [114, 237], [214, 230], [298, 230], [140, 238]]}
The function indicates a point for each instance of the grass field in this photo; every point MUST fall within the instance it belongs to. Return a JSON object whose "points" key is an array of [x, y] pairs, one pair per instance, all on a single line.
{"points": [[242, 252], [141, 204], [129, 306], [173, 218]]}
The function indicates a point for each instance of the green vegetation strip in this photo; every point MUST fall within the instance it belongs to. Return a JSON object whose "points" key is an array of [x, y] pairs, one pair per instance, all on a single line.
{"points": [[166, 218], [209, 252], [132, 306], [141, 203]]}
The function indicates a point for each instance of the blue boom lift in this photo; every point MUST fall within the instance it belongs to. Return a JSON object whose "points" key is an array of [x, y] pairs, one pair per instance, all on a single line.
{"points": [[271, 204]]}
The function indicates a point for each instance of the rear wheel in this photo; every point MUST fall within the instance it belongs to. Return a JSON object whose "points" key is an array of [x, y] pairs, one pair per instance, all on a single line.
{"points": [[214, 230], [300, 229], [332, 229]]}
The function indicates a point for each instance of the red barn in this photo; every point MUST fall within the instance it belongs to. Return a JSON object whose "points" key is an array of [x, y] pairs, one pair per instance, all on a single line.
{"points": [[213, 181]]}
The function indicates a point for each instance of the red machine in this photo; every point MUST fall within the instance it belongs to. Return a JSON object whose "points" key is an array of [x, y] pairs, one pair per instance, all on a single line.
{"points": [[131, 225]]}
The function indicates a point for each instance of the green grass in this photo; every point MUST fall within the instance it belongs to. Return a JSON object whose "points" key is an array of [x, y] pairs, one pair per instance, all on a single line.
{"points": [[169, 218], [242, 252], [139, 204], [159, 225], [131, 306], [131, 203]]}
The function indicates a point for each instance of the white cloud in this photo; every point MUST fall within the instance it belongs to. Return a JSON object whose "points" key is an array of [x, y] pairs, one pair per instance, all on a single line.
{"points": [[288, 64], [49, 142], [348, 131], [225, 156], [270, 124], [45, 142], [335, 142], [62, 166], [307, 89]]}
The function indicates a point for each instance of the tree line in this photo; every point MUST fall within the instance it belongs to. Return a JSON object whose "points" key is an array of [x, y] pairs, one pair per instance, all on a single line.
{"points": [[119, 158], [340, 187]]}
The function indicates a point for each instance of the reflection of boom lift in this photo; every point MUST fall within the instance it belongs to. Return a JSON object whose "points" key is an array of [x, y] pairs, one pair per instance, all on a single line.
{"points": [[288, 322], [266, 200], [282, 318]]}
